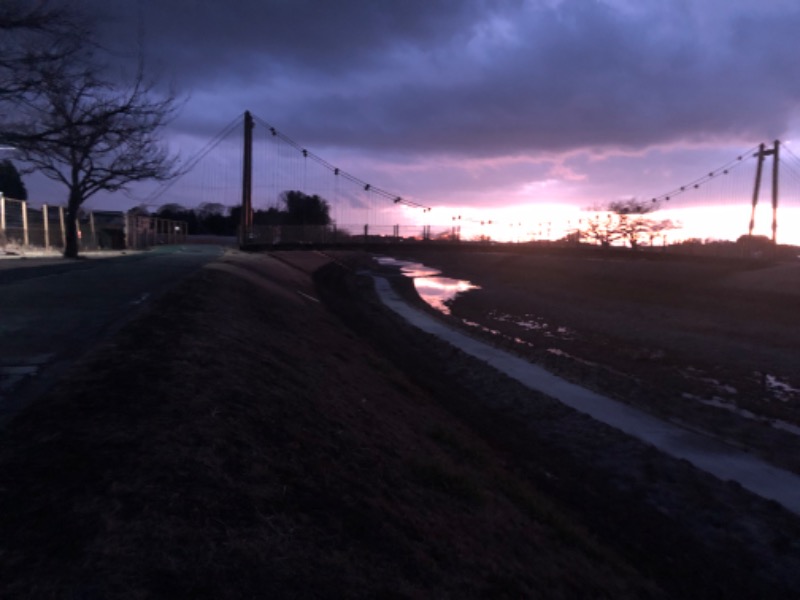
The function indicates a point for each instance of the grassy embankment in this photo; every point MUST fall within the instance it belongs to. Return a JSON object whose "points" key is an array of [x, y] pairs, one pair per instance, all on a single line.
{"points": [[238, 440]]}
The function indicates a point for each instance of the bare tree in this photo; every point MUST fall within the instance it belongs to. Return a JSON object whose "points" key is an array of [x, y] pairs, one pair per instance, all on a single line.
{"points": [[625, 220], [33, 35], [601, 229], [660, 229], [89, 133]]}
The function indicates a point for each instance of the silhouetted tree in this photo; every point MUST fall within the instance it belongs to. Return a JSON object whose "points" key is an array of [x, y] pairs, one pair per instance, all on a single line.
{"points": [[601, 228], [630, 223], [625, 220], [302, 209], [271, 216], [214, 218], [11, 184], [90, 134], [177, 212], [34, 37], [140, 211]]}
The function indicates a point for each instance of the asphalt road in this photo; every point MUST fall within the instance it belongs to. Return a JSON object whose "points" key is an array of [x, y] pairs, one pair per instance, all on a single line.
{"points": [[52, 311]]}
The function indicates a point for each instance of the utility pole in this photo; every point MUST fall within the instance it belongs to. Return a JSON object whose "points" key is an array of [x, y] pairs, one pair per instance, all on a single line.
{"points": [[775, 192], [247, 181], [761, 154]]}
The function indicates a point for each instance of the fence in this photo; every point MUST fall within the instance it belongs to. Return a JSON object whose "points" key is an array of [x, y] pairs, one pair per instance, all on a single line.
{"points": [[22, 226], [336, 234]]}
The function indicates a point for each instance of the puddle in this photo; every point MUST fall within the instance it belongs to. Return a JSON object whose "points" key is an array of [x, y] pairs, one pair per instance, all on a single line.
{"points": [[481, 327], [530, 322], [773, 387], [562, 354], [434, 289], [718, 402], [438, 291], [708, 454]]}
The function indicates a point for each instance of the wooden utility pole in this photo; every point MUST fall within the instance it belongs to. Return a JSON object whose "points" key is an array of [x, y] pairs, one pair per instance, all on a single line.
{"points": [[775, 192], [247, 181], [761, 154], [46, 227]]}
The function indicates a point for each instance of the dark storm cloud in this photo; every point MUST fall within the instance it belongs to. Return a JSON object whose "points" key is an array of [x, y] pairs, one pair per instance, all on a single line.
{"points": [[211, 38], [586, 74], [481, 78]]}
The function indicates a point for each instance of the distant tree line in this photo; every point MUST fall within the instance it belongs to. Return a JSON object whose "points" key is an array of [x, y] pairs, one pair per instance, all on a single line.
{"points": [[211, 218], [11, 184], [627, 221]]}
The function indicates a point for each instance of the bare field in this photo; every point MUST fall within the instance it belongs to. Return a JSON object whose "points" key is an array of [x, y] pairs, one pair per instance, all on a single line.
{"points": [[711, 344]]}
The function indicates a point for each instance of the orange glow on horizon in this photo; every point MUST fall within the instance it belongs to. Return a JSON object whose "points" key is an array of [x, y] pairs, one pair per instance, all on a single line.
{"points": [[554, 221]]}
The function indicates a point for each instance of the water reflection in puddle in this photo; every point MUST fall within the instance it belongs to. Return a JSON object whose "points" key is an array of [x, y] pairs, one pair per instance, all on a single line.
{"points": [[530, 322], [431, 287], [438, 291], [730, 406]]}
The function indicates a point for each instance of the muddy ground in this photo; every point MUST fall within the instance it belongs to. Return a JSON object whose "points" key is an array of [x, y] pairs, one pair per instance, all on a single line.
{"points": [[711, 344], [262, 432]]}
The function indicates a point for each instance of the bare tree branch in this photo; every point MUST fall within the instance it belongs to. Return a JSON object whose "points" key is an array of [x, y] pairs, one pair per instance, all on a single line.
{"points": [[625, 220], [90, 134], [32, 35]]}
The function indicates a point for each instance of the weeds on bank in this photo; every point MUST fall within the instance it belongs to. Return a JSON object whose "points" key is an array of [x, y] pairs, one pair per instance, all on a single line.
{"points": [[457, 447], [438, 477]]}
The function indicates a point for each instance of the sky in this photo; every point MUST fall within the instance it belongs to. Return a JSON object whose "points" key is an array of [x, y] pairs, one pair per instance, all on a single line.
{"points": [[466, 105]]}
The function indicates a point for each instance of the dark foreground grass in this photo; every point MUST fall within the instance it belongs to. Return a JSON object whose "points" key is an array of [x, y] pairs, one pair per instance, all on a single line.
{"points": [[239, 441]]}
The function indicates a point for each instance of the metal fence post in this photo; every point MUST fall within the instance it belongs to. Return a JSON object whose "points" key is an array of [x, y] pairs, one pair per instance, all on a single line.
{"points": [[46, 224], [25, 239], [63, 228], [92, 230]]}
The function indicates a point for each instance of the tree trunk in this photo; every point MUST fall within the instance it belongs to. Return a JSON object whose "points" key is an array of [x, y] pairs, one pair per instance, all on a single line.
{"points": [[71, 226]]}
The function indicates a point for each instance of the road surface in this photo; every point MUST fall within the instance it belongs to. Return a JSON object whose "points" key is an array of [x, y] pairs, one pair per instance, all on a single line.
{"points": [[52, 311]]}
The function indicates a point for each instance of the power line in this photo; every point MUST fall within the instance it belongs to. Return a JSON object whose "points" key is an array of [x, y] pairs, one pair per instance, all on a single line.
{"points": [[367, 187], [700, 181], [194, 160]]}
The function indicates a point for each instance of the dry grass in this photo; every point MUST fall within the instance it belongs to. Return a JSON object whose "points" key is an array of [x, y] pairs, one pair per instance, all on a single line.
{"points": [[235, 442]]}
